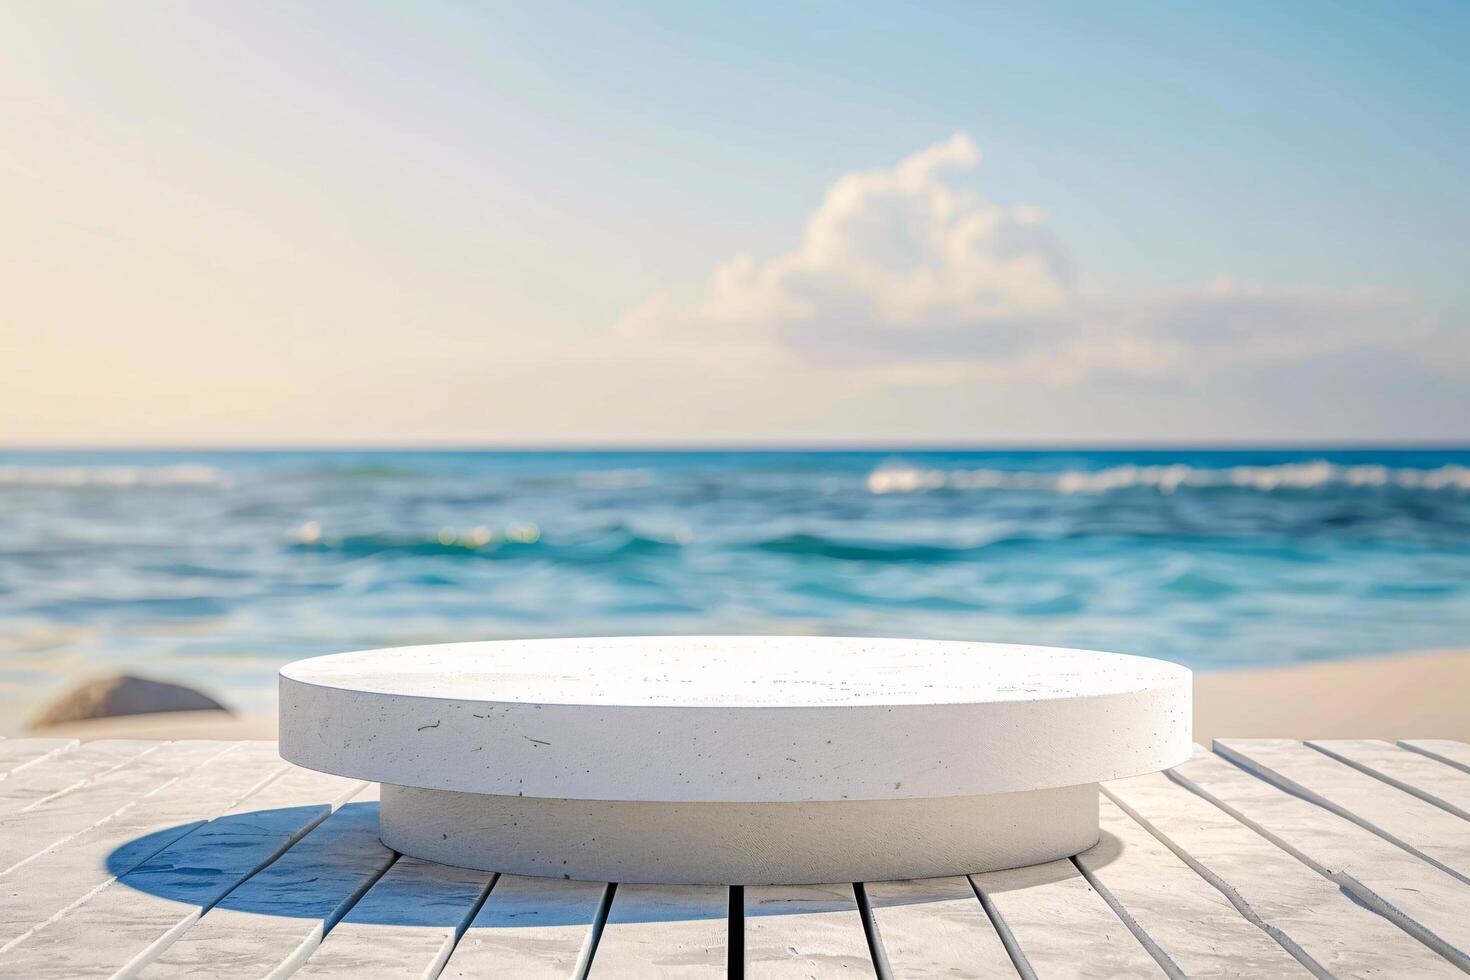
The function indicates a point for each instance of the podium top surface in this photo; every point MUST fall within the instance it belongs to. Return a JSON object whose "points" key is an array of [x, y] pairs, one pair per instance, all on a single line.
{"points": [[736, 671], [734, 719]]}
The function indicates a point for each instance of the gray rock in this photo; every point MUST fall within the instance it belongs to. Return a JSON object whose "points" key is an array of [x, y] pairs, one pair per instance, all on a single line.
{"points": [[123, 695]]}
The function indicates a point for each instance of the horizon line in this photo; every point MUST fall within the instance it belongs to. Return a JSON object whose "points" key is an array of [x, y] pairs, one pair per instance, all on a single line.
{"points": [[735, 446]]}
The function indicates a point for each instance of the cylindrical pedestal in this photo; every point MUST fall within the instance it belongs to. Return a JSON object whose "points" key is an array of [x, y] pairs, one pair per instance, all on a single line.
{"points": [[736, 759], [740, 843]]}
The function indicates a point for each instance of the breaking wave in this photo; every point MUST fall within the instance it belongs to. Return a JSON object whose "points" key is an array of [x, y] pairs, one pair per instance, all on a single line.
{"points": [[898, 478], [519, 541]]}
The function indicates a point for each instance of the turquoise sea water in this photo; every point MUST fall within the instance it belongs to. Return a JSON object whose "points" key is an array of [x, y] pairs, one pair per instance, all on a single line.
{"points": [[216, 567]]}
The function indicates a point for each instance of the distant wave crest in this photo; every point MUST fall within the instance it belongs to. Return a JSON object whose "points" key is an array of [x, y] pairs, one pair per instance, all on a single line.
{"points": [[898, 478], [515, 542], [179, 475]]}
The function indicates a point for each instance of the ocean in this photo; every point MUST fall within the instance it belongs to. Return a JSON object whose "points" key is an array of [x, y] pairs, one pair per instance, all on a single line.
{"points": [[214, 568]]}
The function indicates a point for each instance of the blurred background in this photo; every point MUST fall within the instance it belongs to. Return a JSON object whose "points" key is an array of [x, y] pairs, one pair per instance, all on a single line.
{"points": [[215, 568], [328, 326]]}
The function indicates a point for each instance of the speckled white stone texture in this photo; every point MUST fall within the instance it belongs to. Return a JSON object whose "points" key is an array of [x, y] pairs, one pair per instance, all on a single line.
{"points": [[734, 719], [736, 759], [740, 843]]}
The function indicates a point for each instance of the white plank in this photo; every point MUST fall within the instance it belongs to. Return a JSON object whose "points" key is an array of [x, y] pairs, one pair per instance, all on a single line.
{"points": [[297, 787], [1059, 926], [18, 753], [1429, 779], [148, 908], [1309, 915], [405, 926], [530, 929], [69, 770], [805, 931], [63, 877], [270, 924], [1186, 919], [935, 927], [53, 821], [1422, 828], [664, 931], [1451, 753], [1330, 846]]}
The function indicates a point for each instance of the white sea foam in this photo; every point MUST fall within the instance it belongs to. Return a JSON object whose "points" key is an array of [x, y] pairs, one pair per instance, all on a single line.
{"points": [[899, 478], [180, 475]]}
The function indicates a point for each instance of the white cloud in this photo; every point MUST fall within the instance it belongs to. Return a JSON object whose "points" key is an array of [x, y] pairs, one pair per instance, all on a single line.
{"points": [[901, 275]]}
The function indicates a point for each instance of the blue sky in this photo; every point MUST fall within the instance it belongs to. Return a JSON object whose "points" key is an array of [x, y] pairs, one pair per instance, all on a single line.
{"points": [[334, 222]]}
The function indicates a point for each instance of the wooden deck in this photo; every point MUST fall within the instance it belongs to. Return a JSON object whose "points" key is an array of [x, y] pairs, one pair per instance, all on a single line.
{"points": [[1267, 858]]}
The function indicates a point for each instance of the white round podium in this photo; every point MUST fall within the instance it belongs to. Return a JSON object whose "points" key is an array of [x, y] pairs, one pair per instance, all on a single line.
{"points": [[736, 760]]}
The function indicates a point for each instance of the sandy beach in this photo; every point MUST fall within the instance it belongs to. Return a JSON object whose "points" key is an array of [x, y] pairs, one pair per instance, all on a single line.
{"points": [[1411, 695]]}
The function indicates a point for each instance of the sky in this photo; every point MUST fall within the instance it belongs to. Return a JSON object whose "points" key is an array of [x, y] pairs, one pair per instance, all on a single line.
{"points": [[546, 224]]}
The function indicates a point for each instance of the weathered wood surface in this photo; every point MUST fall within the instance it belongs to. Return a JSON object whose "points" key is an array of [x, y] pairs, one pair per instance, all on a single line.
{"points": [[1386, 870], [1059, 926], [273, 922], [64, 876], [199, 859], [935, 927], [16, 754], [1303, 910], [665, 931], [805, 931], [537, 928], [405, 926], [1425, 777], [144, 910], [55, 820], [1190, 926], [1419, 827], [29, 785], [1455, 754]]}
